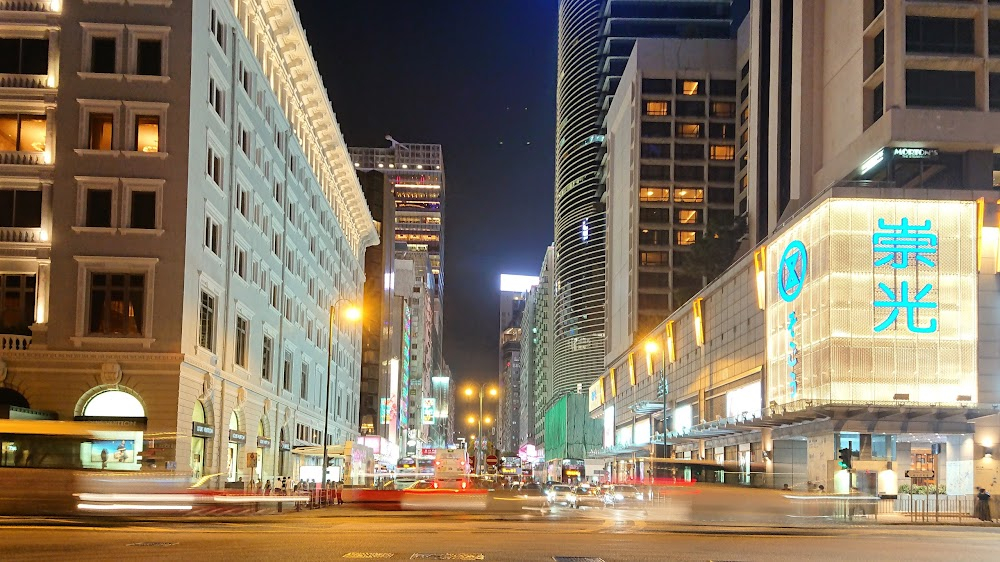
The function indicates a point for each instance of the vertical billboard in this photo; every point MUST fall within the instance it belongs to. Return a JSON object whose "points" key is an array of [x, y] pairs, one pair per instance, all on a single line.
{"points": [[872, 300], [404, 384]]}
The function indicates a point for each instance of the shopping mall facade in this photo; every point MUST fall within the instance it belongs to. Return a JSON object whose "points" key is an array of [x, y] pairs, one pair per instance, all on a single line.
{"points": [[867, 321]]}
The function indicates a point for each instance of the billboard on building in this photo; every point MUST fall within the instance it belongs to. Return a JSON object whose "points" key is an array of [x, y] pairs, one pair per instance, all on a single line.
{"points": [[873, 300], [427, 411]]}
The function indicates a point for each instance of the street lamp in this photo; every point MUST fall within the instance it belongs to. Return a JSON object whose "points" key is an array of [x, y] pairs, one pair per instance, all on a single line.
{"points": [[470, 391], [353, 314]]}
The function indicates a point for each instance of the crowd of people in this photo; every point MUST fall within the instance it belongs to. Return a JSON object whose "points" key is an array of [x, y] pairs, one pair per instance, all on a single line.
{"points": [[285, 486]]}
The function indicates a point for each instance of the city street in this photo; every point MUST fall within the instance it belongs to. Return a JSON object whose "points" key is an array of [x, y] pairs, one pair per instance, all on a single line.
{"points": [[346, 533]]}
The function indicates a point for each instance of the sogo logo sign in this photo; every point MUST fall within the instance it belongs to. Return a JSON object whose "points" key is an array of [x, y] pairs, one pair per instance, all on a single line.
{"points": [[791, 277]]}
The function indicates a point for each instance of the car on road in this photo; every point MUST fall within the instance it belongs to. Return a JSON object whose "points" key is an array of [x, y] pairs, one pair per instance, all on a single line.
{"points": [[591, 496], [624, 495], [560, 494]]}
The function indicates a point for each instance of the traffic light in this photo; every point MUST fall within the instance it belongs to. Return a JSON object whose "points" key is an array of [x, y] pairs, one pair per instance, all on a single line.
{"points": [[846, 456]]}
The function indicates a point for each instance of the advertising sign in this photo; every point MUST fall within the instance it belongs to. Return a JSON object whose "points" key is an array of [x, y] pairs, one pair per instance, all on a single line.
{"points": [[427, 411], [404, 385], [868, 298]]}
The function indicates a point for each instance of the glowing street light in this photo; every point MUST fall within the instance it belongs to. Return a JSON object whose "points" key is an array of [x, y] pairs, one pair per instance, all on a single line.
{"points": [[471, 391]]}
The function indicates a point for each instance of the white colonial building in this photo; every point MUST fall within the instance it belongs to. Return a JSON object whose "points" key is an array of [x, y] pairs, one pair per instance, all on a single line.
{"points": [[178, 213]]}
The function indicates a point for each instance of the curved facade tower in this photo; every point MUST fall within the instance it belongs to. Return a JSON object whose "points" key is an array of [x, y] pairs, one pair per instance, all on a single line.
{"points": [[578, 292]]}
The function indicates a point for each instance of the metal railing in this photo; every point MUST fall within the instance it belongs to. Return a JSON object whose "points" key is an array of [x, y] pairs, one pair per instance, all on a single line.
{"points": [[25, 5], [22, 158], [23, 80], [14, 342]]}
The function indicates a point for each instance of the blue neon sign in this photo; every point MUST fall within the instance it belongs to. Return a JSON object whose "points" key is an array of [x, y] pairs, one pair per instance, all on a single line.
{"points": [[905, 246]]}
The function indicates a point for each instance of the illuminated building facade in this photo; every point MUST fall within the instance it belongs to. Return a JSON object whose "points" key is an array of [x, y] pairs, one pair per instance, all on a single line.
{"points": [[172, 243], [513, 294]]}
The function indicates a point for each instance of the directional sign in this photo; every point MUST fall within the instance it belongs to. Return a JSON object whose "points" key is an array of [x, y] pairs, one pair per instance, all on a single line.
{"points": [[920, 474], [492, 460]]}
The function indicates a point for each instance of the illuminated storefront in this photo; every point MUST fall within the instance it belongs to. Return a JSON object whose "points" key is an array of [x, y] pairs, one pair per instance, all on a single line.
{"points": [[874, 300]]}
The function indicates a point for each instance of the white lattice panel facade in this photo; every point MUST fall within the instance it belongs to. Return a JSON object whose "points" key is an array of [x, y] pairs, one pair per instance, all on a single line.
{"points": [[870, 300]]}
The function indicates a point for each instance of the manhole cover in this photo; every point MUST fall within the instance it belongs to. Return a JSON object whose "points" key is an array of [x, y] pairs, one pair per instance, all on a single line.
{"points": [[447, 556], [368, 555], [151, 544]]}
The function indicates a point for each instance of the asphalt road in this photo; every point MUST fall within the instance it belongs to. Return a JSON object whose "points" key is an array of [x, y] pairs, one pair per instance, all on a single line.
{"points": [[356, 533]]}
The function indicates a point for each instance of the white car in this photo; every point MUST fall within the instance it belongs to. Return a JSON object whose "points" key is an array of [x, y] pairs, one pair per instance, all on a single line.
{"points": [[560, 494]]}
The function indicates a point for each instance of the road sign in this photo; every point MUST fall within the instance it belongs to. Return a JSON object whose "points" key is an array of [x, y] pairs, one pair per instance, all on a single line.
{"points": [[920, 474], [492, 460]]}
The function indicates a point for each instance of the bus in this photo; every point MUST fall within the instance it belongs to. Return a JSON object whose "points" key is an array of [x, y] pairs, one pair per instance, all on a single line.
{"points": [[46, 465], [451, 469], [567, 471]]}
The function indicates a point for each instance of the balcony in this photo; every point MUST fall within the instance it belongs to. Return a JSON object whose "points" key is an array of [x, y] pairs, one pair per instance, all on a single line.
{"points": [[21, 235], [29, 5], [33, 81], [14, 342], [22, 158]]}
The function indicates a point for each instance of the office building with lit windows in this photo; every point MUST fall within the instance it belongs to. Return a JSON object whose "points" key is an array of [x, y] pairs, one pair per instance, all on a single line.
{"points": [[862, 317], [178, 215], [671, 172]]}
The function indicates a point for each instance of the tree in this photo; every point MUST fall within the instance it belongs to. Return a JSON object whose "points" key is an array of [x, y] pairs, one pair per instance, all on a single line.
{"points": [[714, 250]]}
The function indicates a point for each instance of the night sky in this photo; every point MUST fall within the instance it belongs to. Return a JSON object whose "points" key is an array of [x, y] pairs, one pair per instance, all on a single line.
{"points": [[477, 77]]}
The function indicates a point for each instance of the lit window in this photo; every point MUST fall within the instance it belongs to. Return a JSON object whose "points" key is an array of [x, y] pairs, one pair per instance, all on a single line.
{"points": [[686, 237], [147, 133], [689, 130], [688, 195], [691, 87], [22, 133], [117, 303], [654, 194], [722, 152], [687, 216], [722, 109], [657, 108]]}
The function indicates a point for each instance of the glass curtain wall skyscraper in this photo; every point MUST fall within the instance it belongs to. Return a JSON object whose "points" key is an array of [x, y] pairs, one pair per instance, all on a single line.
{"points": [[595, 38]]}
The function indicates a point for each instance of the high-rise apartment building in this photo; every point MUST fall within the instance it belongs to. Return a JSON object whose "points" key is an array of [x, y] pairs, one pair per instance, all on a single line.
{"points": [[513, 292], [178, 215]]}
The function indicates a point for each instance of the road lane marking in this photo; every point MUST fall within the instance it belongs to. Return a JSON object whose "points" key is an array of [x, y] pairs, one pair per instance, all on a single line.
{"points": [[448, 556], [368, 555]]}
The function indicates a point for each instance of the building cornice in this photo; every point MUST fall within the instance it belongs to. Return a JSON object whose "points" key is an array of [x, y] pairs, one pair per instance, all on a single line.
{"points": [[318, 127]]}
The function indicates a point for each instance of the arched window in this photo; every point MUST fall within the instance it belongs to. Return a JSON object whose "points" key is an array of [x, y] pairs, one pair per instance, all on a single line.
{"points": [[234, 422], [198, 414], [114, 404]]}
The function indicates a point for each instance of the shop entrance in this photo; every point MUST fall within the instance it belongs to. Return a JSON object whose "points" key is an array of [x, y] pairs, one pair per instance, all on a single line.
{"points": [[200, 430], [233, 452]]}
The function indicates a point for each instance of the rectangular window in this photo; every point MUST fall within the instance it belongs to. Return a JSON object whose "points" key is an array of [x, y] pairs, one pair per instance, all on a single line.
{"points": [[149, 57], [213, 236], [720, 195], [940, 88], [654, 237], [657, 108], [690, 87], [721, 174], [304, 383], [690, 109], [655, 129], [689, 173], [101, 130], [723, 87], [654, 194], [142, 210], [22, 132], [217, 99], [994, 37], [147, 133], [689, 195], [689, 131], [878, 100], [103, 55], [656, 86], [242, 341], [24, 56], [722, 109], [117, 303], [688, 216], [267, 358], [654, 258], [218, 29], [721, 131], [994, 93], [286, 373], [686, 237], [17, 309], [940, 35], [654, 215], [240, 262], [243, 201], [651, 150], [878, 50], [215, 166], [654, 172], [722, 152], [99, 208], [20, 208], [206, 322], [689, 152]]}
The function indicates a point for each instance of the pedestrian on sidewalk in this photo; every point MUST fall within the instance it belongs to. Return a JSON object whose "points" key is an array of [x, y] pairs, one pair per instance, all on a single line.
{"points": [[267, 488], [982, 511], [340, 492]]}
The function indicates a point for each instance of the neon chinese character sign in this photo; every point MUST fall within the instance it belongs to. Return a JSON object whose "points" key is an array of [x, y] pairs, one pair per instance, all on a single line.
{"points": [[791, 277], [906, 247]]}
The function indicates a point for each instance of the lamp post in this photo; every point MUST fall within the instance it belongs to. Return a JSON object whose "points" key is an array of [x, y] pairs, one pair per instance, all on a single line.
{"points": [[353, 314], [469, 391]]}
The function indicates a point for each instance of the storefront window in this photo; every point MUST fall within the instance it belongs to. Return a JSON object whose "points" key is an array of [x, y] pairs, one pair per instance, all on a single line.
{"points": [[114, 450], [233, 456], [259, 469], [198, 442]]}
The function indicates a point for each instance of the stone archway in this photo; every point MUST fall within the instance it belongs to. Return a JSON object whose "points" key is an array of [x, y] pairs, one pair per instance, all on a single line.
{"points": [[11, 397]]}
